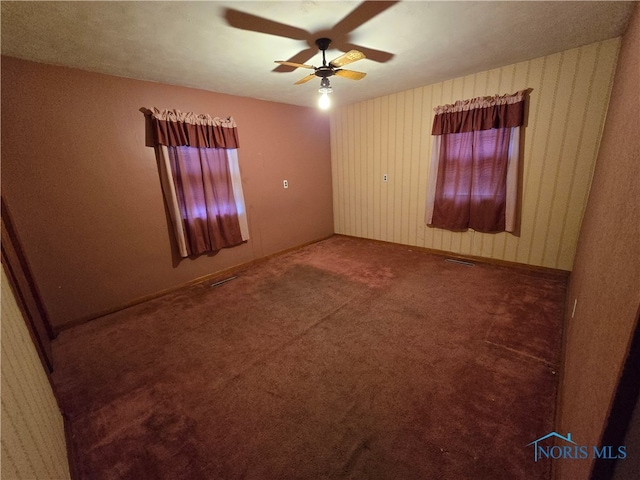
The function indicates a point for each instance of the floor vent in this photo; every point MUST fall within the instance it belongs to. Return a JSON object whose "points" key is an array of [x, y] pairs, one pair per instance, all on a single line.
{"points": [[221, 282], [461, 262]]}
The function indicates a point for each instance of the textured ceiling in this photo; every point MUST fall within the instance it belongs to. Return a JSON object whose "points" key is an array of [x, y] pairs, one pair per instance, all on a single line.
{"points": [[230, 47]]}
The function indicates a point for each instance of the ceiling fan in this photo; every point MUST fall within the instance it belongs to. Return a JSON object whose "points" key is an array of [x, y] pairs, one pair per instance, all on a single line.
{"points": [[340, 33], [332, 68]]}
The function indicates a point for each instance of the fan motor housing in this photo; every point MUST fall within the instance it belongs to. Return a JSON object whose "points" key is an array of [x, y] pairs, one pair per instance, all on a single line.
{"points": [[324, 72]]}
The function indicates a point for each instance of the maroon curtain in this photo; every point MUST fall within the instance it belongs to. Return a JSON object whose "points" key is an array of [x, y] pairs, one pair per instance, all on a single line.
{"points": [[198, 167], [471, 180], [205, 197], [471, 184]]}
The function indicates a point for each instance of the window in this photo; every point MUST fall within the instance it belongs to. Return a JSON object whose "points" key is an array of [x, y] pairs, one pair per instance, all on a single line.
{"points": [[474, 164], [200, 177]]}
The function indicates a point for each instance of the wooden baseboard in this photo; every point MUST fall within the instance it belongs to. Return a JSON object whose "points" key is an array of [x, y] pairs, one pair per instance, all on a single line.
{"points": [[471, 258], [72, 457], [212, 277], [221, 274]]}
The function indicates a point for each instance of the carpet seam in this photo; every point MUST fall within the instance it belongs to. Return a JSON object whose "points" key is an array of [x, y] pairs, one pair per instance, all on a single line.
{"points": [[528, 355], [279, 348]]}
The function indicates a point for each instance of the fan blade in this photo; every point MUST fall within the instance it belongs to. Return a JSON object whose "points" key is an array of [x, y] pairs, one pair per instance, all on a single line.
{"points": [[306, 79], [291, 64], [253, 23], [300, 57], [349, 57], [350, 74], [360, 15], [371, 53]]}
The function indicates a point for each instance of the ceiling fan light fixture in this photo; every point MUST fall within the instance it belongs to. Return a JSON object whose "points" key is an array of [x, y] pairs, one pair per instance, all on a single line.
{"points": [[324, 103], [325, 89], [325, 86]]}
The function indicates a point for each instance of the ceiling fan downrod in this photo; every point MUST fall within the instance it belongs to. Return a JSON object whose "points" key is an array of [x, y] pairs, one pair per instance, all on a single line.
{"points": [[325, 70]]}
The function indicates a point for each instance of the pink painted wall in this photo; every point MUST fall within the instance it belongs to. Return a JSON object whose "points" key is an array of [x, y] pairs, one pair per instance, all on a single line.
{"points": [[85, 195], [605, 280]]}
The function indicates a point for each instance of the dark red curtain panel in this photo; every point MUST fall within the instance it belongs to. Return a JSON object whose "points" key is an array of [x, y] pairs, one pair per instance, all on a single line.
{"points": [[489, 182], [472, 181], [453, 189], [205, 197]]}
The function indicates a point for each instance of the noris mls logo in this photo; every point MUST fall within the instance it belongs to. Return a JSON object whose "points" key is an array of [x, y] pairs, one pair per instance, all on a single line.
{"points": [[567, 448]]}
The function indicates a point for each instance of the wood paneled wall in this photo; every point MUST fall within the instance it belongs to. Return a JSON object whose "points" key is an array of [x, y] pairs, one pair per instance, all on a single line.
{"points": [[33, 441], [392, 135]]}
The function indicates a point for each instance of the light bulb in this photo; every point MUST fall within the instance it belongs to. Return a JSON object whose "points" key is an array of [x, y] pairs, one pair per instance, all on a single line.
{"points": [[324, 102]]}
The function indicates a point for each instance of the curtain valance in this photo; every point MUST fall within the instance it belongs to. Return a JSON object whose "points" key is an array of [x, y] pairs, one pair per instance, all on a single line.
{"points": [[174, 128], [480, 113]]}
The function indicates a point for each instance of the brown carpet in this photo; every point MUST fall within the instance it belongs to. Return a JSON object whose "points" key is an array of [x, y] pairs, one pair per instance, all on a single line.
{"points": [[347, 359]]}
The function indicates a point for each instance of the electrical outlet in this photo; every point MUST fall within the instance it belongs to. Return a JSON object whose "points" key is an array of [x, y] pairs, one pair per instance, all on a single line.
{"points": [[285, 183], [385, 177]]}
